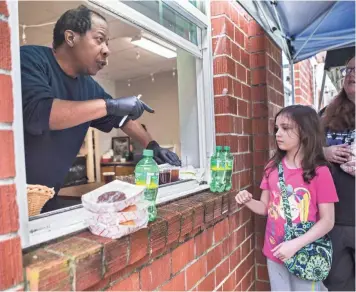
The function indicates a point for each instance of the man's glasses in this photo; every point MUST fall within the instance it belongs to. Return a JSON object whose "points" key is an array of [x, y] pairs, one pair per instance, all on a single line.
{"points": [[347, 71]]}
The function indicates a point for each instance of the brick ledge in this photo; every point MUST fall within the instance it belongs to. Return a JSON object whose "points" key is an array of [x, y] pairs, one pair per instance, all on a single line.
{"points": [[65, 264]]}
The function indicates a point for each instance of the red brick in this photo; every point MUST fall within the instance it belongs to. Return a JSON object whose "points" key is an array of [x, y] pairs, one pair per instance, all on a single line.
{"points": [[259, 93], [254, 29], [156, 273], [258, 60], [115, 251], [225, 105], [11, 263], [228, 140], [221, 271], [256, 44], [215, 256], [220, 7], [260, 158], [47, 271], [230, 283], [221, 26], [224, 65], [223, 85], [246, 92], [242, 108], [221, 45], [6, 100], [203, 241], [245, 59], [241, 73], [235, 258], [221, 230], [131, 283], [224, 124], [87, 257], [195, 272], [239, 37], [245, 178], [177, 283], [173, 221], [208, 284], [138, 245], [235, 52], [247, 281], [5, 48], [3, 9], [262, 273], [260, 126], [258, 76], [237, 88], [7, 157], [9, 216], [158, 234], [182, 255], [262, 286]]}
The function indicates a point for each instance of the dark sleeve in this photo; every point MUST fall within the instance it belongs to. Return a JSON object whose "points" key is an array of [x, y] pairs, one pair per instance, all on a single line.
{"points": [[107, 123], [37, 97]]}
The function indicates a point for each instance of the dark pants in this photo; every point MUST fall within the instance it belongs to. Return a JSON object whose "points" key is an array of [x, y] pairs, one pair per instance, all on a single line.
{"points": [[342, 274]]}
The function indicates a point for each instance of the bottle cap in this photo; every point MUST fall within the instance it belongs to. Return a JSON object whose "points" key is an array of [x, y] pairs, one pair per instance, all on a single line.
{"points": [[148, 153]]}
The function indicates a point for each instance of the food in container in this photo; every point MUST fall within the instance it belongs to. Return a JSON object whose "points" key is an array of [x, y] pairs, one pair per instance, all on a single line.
{"points": [[164, 176], [110, 197], [133, 193]]}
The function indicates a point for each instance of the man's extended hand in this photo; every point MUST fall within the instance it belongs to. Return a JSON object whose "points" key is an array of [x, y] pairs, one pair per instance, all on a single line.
{"points": [[131, 106], [162, 155]]}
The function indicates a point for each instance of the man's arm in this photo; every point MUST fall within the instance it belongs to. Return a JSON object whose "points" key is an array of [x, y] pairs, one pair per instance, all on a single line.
{"points": [[66, 113], [134, 130]]}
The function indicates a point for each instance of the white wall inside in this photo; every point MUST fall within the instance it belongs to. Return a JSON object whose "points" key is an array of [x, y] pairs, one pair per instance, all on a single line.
{"points": [[162, 96]]}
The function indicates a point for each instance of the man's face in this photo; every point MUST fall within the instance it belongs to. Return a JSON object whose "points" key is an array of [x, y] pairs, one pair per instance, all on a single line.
{"points": [[91, 50]]}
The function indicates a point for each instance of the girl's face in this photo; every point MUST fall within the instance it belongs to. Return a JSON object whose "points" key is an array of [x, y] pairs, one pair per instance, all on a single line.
{"points": [[287, 134], [349, 81]]}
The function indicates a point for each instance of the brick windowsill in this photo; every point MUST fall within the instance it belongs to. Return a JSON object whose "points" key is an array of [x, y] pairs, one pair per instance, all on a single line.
{"points": [[83, 260]]}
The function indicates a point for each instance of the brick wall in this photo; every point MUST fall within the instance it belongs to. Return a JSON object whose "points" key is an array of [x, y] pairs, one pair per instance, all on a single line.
{"points": [[304, 83], [204, 242], [10, 246], [267, 100]]}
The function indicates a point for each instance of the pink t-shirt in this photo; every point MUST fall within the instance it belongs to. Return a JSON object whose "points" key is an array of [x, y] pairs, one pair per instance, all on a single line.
{"points": [[303, 200]]}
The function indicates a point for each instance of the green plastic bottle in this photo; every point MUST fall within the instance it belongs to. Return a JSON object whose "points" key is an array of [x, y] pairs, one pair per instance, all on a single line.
{"points": [[217, 170], [147, 174], [229, 162]]}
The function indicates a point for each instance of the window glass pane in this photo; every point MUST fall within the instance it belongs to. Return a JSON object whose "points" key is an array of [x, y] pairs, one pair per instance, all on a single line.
{"points": [[166, 16], [198, 4]]}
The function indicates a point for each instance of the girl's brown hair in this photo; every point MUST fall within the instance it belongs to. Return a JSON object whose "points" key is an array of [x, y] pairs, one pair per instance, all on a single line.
{"points": [[311, 137]]}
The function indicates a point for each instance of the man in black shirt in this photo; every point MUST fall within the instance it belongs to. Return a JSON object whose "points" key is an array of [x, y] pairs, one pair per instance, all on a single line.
{"points": [[61, 100]]}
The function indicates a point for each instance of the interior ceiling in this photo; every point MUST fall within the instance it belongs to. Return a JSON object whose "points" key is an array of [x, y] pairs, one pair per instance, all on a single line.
{"points": [[123, 62]]}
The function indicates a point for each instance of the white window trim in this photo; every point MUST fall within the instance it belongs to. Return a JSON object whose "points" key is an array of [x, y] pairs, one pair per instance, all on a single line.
{"points": [[34, 232], [118, 8]]}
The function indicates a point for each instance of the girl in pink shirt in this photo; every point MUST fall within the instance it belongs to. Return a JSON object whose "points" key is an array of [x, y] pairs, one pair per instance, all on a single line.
{"points": [[310, 190]]}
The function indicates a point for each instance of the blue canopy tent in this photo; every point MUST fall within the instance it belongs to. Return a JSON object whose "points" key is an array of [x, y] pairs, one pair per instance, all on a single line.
{"points": [[304, 28]]}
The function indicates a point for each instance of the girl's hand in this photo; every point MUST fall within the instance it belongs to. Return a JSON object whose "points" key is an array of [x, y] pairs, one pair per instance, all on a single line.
{"points": [[243, 197], [338, 153], [285, 250]]}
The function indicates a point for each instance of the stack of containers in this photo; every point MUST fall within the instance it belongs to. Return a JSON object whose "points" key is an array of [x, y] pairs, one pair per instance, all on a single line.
{"points": [[116, 219]]}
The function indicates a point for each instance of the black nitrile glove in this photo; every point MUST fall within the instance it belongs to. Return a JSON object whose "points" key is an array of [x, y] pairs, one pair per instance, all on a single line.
{"points": [[162, 155], [131, 106]]}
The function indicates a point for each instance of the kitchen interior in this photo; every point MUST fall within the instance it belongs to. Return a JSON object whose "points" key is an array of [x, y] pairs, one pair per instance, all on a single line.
{"points": [[139, 64]]}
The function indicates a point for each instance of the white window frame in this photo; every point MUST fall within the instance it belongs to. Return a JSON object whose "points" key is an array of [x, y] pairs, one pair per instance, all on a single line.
{"points": [[63, 222]]}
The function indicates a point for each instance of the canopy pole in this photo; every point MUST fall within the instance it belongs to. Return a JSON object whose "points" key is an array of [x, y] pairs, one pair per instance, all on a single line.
{"points": [[292, 80], [322, 90]]}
